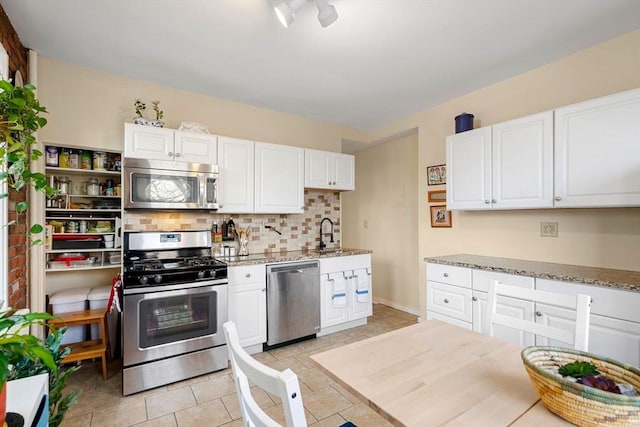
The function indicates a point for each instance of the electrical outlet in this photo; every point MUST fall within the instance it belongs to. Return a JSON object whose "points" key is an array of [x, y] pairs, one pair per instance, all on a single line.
{"points": [[549, 229]]}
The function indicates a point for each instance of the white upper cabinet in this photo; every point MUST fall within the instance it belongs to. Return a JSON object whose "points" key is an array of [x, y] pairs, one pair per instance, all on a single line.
{"points": [[324, 169], [469, 170], [522, 163], [505, 166], [195, 147], [597, 152], [148, 142], [279, 178], [236, 161]]}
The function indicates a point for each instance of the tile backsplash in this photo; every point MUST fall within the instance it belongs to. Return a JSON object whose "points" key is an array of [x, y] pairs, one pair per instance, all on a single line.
{"points": [[298, 231]]}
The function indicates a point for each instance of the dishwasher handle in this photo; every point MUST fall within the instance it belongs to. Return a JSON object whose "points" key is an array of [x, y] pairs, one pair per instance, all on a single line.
{"points": [[292, 268]]}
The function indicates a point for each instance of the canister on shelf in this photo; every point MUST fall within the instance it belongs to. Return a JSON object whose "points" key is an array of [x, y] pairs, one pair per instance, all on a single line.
{"points": [[85, 159], [51, 156], [93, 188], [74, 159], [63, 158], [99, 160], [64, 184], [82, 227]]}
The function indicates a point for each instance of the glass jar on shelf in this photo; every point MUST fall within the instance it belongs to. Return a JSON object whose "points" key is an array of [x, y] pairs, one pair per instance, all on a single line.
{"points": [[93, 187]]}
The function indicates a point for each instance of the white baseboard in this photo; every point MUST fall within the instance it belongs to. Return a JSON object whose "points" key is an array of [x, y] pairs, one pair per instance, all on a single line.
{"points": [[396, 306]]}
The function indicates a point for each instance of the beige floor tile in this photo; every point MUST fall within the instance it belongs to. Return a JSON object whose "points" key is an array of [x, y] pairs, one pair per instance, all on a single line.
{"points": [[80, 420], [124, 414], [362, 415], [289, 362], [168, 420], [332, 421], [325, 402], [232, 403], [234, 423], [206, 391], [209, 414], [314, 378], [171, 401]]}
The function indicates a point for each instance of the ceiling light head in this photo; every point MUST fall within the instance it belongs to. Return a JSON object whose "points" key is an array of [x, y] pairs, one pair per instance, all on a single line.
{"points": [[286, 11], [327, 14]]}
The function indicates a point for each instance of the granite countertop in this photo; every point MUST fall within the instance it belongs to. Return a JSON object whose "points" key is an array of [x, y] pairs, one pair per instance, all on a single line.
{"points": [[273, 257], [604, 277]]}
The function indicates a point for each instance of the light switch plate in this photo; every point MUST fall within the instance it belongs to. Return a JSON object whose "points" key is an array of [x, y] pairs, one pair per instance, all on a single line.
{"points": [[549, 229]]}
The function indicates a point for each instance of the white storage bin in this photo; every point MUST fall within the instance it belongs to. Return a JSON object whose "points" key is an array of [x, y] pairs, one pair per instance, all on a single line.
{"points": [[66, 301], [98, 299]]}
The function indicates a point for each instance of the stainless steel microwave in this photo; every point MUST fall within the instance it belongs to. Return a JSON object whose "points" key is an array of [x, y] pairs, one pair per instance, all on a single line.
{"points": [[160, 184]]}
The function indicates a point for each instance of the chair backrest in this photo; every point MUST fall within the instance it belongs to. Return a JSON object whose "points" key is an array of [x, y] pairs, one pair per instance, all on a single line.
{"points": [[281, 384], [578, 338]]}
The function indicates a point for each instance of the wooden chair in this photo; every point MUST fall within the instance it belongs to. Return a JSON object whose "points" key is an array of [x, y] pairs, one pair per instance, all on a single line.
{"points": [[282, 384], [578, 338]]}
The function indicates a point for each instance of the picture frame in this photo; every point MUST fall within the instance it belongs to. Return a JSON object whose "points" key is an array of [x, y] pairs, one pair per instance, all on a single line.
{"points": [[436, 196], [440, 216], [437, 174]]}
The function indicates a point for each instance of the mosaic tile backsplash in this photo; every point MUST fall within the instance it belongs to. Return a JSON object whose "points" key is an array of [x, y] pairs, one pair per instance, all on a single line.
{"points": [[299, 231]]}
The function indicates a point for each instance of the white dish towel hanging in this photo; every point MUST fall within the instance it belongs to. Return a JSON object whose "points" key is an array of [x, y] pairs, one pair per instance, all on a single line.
{"points": [[362, 286], [338, 292]]}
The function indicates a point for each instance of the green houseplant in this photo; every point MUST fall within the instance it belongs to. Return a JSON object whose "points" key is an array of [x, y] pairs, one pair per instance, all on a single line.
{"points": [[22, 354], [20, 117], [17, 345]]}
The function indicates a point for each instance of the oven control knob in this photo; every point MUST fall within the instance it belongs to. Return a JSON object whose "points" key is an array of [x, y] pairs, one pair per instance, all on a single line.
{"points": [[201, 274], [212, 273], [157, 278], [144, 280]]}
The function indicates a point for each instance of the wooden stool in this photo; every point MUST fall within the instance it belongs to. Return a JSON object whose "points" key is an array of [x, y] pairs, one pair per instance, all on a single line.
{"points": [[85, 349]]}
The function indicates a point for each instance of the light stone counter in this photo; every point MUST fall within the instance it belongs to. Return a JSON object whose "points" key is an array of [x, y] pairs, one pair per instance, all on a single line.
{"points": [[289, 256], [608, 278]]}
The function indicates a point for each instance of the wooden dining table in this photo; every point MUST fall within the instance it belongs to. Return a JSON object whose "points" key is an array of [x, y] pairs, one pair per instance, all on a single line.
{"points": [[434, 373]]}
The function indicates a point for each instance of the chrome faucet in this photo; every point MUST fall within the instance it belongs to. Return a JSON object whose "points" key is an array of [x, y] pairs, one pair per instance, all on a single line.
{"points": [[323, 244]]}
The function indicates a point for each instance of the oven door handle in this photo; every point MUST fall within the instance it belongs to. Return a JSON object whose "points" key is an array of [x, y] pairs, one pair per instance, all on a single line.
{"points": [[176, 287]]}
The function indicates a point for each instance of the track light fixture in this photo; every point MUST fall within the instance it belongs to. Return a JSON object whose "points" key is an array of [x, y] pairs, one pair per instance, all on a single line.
{"points": [[286, 11]]}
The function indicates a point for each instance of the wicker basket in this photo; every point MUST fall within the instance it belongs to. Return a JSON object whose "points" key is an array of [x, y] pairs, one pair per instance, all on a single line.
{"points": [[576, 403]]}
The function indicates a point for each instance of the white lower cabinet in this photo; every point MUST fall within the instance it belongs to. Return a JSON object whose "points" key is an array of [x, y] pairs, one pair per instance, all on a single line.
{"points": [[509, 307], [449, 294], [345, 292], [459, 296], [614, 329], [248, 303]]}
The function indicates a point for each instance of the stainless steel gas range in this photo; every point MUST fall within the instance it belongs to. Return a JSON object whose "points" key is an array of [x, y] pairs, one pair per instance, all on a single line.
{"points": [[175, 302]]}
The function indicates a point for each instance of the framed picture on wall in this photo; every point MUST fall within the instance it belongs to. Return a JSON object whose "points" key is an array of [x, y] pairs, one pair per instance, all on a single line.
{"points": [[436, 175], [436, 196], [440, 216]]}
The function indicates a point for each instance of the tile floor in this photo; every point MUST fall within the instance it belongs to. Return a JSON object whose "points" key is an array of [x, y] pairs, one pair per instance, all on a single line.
{"points": [[211, 400]]}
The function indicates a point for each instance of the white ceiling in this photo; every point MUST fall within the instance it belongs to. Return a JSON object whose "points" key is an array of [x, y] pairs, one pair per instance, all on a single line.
{"points": [[381, 61]]}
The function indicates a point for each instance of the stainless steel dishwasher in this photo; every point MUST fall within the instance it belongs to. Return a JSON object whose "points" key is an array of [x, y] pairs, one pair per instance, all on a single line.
{"points": [[293, 302]]}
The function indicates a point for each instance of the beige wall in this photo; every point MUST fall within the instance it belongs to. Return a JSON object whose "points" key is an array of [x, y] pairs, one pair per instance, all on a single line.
{"points": [[595, 237], [88, 108], [383, 216]]}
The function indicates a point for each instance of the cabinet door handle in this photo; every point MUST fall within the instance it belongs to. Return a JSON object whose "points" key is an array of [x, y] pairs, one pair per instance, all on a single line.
{"points": [[446, 301], [247, 275], [494, 201], [178, 154], [539, 313], [446, 274], [474, 298], [170, 154], [486, 202], [264, 289], [558, 198]]}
